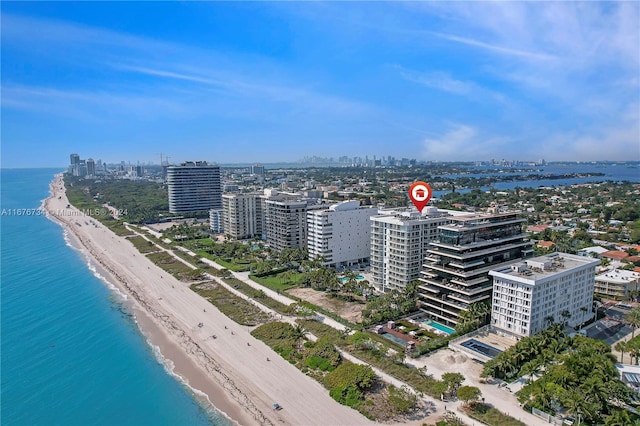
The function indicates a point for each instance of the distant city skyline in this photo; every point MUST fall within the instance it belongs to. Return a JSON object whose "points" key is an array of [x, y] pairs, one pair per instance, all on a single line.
{"points": [[267, 82]]}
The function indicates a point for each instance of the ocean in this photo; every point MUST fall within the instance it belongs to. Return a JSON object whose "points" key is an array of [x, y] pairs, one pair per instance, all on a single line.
{"points": [[71, 353]]}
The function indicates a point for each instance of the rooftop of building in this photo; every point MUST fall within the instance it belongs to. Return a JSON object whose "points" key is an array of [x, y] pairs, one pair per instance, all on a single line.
{"points": [[538, 228], [541, 267], [545, 244], [594, 249], [474, 220], [408, 215], [194, 164], [618, 276], [614, 254]]}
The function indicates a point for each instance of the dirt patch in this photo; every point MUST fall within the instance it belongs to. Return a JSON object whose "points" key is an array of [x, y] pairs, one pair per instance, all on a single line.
{"points": [[351, 311]]}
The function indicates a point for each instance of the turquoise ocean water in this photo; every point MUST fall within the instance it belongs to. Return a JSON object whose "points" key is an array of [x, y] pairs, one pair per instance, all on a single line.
{"points": [[70, 352]]}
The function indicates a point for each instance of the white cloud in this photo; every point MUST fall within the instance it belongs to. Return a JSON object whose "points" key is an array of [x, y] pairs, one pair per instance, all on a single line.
{"points": [[443, 81], [462, 143], [496, 48]]}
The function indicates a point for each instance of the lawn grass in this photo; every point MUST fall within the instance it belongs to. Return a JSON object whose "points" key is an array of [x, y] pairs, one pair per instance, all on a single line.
{"points": [[142, 245], [277, 282], [234, 307], [491, 416], [236, 267]]}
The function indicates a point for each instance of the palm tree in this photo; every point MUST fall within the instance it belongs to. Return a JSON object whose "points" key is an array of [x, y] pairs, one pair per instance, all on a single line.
{"points": [[619, 417], [633, 347], [565, 316], [298, 333], [505, 367], [622, 348], [480, 309], [584, 310], [577, 405], [633, 319], [549, 320]]}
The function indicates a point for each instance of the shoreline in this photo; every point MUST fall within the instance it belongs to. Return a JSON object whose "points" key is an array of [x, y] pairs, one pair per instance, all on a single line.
{"points": [[174, 360], [240, 383]]}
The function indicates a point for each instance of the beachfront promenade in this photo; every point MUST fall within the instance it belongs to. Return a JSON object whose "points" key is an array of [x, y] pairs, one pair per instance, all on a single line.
{"points": [[498, 397], [237, 377]]}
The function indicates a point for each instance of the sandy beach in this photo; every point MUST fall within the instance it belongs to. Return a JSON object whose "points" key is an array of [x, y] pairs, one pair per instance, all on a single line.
{"points": [[235, 377]]}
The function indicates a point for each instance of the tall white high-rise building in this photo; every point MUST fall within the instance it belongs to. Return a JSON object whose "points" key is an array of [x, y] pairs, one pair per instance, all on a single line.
{"points": [[215, 220], [285, 223], [242, 215], [340, 233], [194, 187], [399, 241], [528, 296]]}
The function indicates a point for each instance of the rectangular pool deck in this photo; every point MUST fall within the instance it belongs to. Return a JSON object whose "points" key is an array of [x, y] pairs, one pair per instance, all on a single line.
{"points": [[487, 345]]}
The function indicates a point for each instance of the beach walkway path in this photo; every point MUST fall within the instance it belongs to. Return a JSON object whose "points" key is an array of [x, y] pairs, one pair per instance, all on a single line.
{"points": [[492, 394]]}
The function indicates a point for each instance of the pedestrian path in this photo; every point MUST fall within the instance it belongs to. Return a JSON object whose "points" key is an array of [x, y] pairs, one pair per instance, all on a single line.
{"points": [[493, 395]]}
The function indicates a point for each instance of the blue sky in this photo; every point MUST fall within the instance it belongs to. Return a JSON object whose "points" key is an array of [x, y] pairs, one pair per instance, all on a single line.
{"points": [[277, 81]]}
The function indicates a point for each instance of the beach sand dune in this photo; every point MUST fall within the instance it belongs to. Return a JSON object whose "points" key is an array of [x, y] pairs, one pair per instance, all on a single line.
{"points": [[237, 378]]}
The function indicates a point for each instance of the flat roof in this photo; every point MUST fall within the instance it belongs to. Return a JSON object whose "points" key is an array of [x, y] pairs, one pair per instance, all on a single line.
{"points": [[618, 276], [541, 267]]}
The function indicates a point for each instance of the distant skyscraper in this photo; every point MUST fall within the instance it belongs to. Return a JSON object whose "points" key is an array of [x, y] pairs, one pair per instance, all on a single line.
{"points": [[91, 167], [78, 167], [257, 169], [194, 187]]}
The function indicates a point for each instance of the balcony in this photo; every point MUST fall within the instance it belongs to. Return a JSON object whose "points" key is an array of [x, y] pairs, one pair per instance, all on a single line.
{"points": [[429, 289], [469, 300], [467, 264], [469, 283], [465, 251], [437, 307]]}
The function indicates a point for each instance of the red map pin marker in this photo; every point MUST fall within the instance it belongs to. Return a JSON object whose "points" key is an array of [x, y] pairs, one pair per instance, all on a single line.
{"points": [[420, 194]]}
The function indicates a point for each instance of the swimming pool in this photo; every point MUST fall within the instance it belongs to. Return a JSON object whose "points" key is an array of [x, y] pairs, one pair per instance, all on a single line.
{"points": [[394, 339], [439, 326], [481, 348], [345, 279]]}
